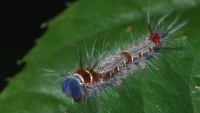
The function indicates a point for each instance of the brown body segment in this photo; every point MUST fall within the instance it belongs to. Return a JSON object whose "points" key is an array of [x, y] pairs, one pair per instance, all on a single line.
{"points": [[155, 37], [116, 69], [150, 49], [88, 75], [85, 75], [128, 55], [140, 54], [94, 75], [108, 74]]}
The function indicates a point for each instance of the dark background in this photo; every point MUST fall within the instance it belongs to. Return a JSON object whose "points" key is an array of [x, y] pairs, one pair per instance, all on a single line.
{"points": [[20, 27]]}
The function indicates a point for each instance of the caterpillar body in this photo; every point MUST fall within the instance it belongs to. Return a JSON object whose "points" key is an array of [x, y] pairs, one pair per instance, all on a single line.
{"points": [[90, 80]]}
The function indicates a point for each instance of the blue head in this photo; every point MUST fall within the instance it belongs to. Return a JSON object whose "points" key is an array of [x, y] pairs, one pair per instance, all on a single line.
{"points": [[72, 87]]}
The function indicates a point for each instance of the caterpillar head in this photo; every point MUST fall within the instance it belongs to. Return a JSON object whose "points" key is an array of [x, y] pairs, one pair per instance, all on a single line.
{"points": [[72, 87]]}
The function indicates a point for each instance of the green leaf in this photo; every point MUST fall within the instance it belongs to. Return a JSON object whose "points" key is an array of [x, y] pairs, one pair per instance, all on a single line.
{"points": [[172, 88]]}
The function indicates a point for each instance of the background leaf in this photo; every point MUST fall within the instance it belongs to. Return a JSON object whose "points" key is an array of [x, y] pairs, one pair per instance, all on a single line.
{"points": [[175, 87]]}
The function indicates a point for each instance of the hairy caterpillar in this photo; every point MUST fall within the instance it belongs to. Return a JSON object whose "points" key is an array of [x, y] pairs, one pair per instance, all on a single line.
{"points": [[90, 80]]}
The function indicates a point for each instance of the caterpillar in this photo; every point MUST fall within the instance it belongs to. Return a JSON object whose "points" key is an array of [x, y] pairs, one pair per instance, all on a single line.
{"points": [[88, 81]]}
